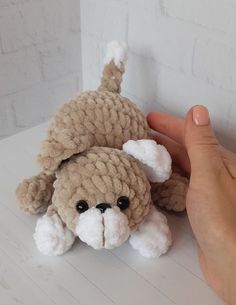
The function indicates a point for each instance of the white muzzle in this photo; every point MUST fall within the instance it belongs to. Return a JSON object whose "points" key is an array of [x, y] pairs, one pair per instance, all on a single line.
{"points": [[103, 230]]}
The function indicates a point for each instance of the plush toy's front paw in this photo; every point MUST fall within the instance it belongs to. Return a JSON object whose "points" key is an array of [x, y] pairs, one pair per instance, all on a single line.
{"points": [[51, 237], [34, 194], [153, 237]]}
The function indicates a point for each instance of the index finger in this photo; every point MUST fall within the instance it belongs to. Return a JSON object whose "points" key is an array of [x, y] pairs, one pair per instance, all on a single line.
{"points": [[168, 125]]}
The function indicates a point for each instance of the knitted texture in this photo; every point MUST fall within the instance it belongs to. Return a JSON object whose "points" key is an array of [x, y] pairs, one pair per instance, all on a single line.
{"points": [[171, 194], [94, 118], [101, 175], [51, 236], [34, 194], [153, 237], [112, 77], [81, 159]]}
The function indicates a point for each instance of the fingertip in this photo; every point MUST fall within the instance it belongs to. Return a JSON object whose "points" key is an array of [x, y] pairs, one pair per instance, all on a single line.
{"points": [[153, 120], [197, 123], [189, 114], [198, 115], [189, 125], [152, 116], [188, 119], [200, 140]]}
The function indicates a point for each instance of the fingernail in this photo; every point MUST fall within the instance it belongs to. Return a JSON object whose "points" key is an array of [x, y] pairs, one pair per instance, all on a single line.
{"points": [[200, 115]]}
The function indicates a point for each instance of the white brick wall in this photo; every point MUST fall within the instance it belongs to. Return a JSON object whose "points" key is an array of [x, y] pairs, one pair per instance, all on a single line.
{"points": [[40, 60], [19, 70], [182, 52], [41, 101], [215, 62], [213, 14], [25, 25]]}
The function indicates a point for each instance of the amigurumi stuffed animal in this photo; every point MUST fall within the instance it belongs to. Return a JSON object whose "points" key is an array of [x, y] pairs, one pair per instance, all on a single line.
{"points": [[97, 166]]}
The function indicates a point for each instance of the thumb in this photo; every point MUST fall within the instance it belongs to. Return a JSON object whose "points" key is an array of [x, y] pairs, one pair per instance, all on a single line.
{"points": [[201, 143]]}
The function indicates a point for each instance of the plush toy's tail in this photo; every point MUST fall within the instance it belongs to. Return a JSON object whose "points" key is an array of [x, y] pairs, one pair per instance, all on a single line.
{"points": [[114, 68]]}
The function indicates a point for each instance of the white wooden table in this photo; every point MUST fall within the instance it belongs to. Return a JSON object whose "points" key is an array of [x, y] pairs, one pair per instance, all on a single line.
{"points": [[83, 275]]}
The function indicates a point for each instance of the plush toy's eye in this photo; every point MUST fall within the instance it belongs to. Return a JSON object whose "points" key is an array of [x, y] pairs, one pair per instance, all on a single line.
{"points": [[123, 202], [81, 206]]}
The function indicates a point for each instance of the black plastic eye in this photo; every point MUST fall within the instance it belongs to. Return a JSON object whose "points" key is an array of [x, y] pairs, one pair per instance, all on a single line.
{"points": [[82, 206], [123, 202]]}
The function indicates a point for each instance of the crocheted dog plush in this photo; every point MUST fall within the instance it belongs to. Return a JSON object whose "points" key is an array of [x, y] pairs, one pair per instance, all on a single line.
{"points": [[97, 166]]}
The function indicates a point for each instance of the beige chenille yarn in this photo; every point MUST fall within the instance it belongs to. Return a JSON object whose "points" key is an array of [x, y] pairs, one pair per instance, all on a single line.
{"points": [[101, 174], [93, 118], [82, 159], [170, 194], [35, 193], [112, 77]]}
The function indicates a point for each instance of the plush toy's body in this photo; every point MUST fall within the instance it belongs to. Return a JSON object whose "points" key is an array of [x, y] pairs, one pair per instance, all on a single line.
{"points": [[98, 163], [94, 118]]}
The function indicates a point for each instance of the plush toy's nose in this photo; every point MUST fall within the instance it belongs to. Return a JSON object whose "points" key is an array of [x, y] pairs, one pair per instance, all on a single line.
{"points": [[103, 206]]}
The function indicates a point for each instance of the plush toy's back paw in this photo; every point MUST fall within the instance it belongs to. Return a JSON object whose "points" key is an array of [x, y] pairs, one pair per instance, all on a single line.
{"points": [[171, 194], [52, 153], [34, 194]]}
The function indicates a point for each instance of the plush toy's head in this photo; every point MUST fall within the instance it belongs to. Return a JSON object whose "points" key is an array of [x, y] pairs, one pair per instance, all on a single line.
{"points": [[102, 195]]}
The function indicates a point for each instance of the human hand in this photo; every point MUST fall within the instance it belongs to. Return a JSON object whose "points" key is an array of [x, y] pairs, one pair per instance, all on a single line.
{"points": [[211, 197]]}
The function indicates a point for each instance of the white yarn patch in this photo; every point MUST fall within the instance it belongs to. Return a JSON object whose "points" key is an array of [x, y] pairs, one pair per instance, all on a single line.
{"points": [[103, 230], [155, 159], [90, 228], [153, 237], [117, 51], [51, 237], [116, 227]]}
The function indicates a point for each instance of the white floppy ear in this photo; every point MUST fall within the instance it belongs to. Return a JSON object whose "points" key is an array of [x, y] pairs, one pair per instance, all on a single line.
{"points": [[154, 158]]}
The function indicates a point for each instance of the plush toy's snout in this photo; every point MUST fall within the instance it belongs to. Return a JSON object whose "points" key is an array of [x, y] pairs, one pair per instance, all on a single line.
{"points": [[103, 206], [103, 227]]}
